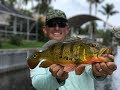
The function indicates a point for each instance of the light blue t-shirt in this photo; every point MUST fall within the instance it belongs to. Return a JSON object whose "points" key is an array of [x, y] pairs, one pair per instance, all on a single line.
{"points": [[43, 80]]}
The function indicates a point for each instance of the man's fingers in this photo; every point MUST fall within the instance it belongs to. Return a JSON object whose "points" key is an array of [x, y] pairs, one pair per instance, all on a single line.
{"points": [[53, 65], [111, 66], [80, 69], [54, 69], [105, 68], [98, 71], [60, 72]]}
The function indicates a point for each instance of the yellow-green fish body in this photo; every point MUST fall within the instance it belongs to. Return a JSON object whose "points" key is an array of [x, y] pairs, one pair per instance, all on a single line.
{"points": [[68, 52]]}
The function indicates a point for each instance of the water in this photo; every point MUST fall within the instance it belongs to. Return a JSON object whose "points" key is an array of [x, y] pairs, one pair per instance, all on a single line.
{"points": [[16, 80]]}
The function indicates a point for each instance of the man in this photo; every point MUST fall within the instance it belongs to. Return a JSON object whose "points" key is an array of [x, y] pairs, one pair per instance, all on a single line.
{"points": [[54, 78]]}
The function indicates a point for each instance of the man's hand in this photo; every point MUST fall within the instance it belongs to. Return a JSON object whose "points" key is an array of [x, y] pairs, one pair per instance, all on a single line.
{"points": [[58, 72], [104, 68], [79, 69]]}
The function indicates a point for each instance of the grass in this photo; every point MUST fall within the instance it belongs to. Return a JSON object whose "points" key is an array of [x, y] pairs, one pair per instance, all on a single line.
{"points": [[26, 44]]}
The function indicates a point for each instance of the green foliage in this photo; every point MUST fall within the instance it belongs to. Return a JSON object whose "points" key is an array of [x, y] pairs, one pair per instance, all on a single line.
{"points": [[108, 9], [26, 44], [16, 40], [0, 44], [41, 36], [26, 12], [99, 33], [118, 40], [8, 2], [107, 38], [42, 6], [83, 30]]}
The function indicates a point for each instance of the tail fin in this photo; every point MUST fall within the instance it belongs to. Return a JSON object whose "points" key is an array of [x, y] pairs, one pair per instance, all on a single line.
{"points": [[34, 60]]}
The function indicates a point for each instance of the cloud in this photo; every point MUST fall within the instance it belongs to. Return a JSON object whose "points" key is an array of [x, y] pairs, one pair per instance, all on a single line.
{"points": [[71, 7], [75, 7]]}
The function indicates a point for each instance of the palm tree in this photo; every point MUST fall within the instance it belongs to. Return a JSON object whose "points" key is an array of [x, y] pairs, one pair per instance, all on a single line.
{"points": [[96, 2], [91, 2], [91, 29], [108, 10], [42, 6], [26, 2]]}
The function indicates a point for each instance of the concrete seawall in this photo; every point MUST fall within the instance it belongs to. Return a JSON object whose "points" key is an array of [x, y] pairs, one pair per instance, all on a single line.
{"points": [[14, 59]]}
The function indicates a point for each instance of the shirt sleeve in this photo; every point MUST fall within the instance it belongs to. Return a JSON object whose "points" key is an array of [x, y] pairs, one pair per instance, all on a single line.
{"points": [[41, 77], [43, 80], [88, 70]]}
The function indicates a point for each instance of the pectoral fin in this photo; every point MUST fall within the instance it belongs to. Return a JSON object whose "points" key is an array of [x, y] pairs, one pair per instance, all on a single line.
{"points": [[102, 52], [45, 64]]}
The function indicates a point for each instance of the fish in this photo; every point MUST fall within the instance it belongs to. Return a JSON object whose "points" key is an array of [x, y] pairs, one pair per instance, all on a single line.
{"points": [[69, 53]]}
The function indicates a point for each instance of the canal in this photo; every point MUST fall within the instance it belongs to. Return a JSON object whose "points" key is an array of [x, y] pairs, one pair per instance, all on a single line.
{"points": [[16, 80]]}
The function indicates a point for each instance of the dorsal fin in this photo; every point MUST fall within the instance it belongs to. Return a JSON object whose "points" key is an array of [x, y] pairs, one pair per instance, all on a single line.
{"points": [[48, 44]]}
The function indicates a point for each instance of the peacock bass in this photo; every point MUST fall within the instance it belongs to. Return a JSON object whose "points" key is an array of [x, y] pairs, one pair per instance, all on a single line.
{"points": [[67, 53]]}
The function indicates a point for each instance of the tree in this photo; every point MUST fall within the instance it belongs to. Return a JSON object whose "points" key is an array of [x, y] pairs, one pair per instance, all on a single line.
{"points": [[41, 36], [96, 4], [107, 38], [8, 2], [91, 2], [21, 3], [91, 29], [108, 10], [43, 6]]}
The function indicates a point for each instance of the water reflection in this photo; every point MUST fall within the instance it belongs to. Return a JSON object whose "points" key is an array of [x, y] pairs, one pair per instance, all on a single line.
{"points": [[16, 80]]}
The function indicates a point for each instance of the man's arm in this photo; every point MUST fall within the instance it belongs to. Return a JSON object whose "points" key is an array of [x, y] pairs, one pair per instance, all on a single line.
{"points": [[43, 80], [58, 72]]}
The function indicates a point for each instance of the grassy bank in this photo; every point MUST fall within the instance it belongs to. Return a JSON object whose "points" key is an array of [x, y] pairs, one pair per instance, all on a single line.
{"points": [[25, 44]]}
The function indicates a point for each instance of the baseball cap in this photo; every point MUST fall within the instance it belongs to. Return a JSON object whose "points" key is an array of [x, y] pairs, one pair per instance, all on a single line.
{"points": [[55, 13]]}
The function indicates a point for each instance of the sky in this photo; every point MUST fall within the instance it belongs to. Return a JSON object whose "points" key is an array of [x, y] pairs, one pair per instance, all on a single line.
{"points": [[77, 7]]}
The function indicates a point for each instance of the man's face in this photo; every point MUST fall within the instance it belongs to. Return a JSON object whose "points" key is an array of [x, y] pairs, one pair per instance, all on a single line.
{"points": [[56, 29]]}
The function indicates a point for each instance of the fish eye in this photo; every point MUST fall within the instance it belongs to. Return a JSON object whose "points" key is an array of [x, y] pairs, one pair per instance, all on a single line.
{"points": [[35, 56]]}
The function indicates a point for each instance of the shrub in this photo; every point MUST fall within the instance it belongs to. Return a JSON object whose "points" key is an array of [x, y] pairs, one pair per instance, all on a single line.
{"points": [[16, 40]]}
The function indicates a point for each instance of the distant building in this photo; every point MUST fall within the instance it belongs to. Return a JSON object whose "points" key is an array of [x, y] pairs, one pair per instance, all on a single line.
{"points": [[4, 19], [99, 40], [13, 22]]}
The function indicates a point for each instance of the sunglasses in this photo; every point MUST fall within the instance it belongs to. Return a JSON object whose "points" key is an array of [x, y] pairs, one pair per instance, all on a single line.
{"points": [[60, 24]]}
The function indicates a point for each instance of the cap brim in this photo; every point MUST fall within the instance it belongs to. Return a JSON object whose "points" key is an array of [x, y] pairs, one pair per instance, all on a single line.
{"points": [[57, 18]]}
